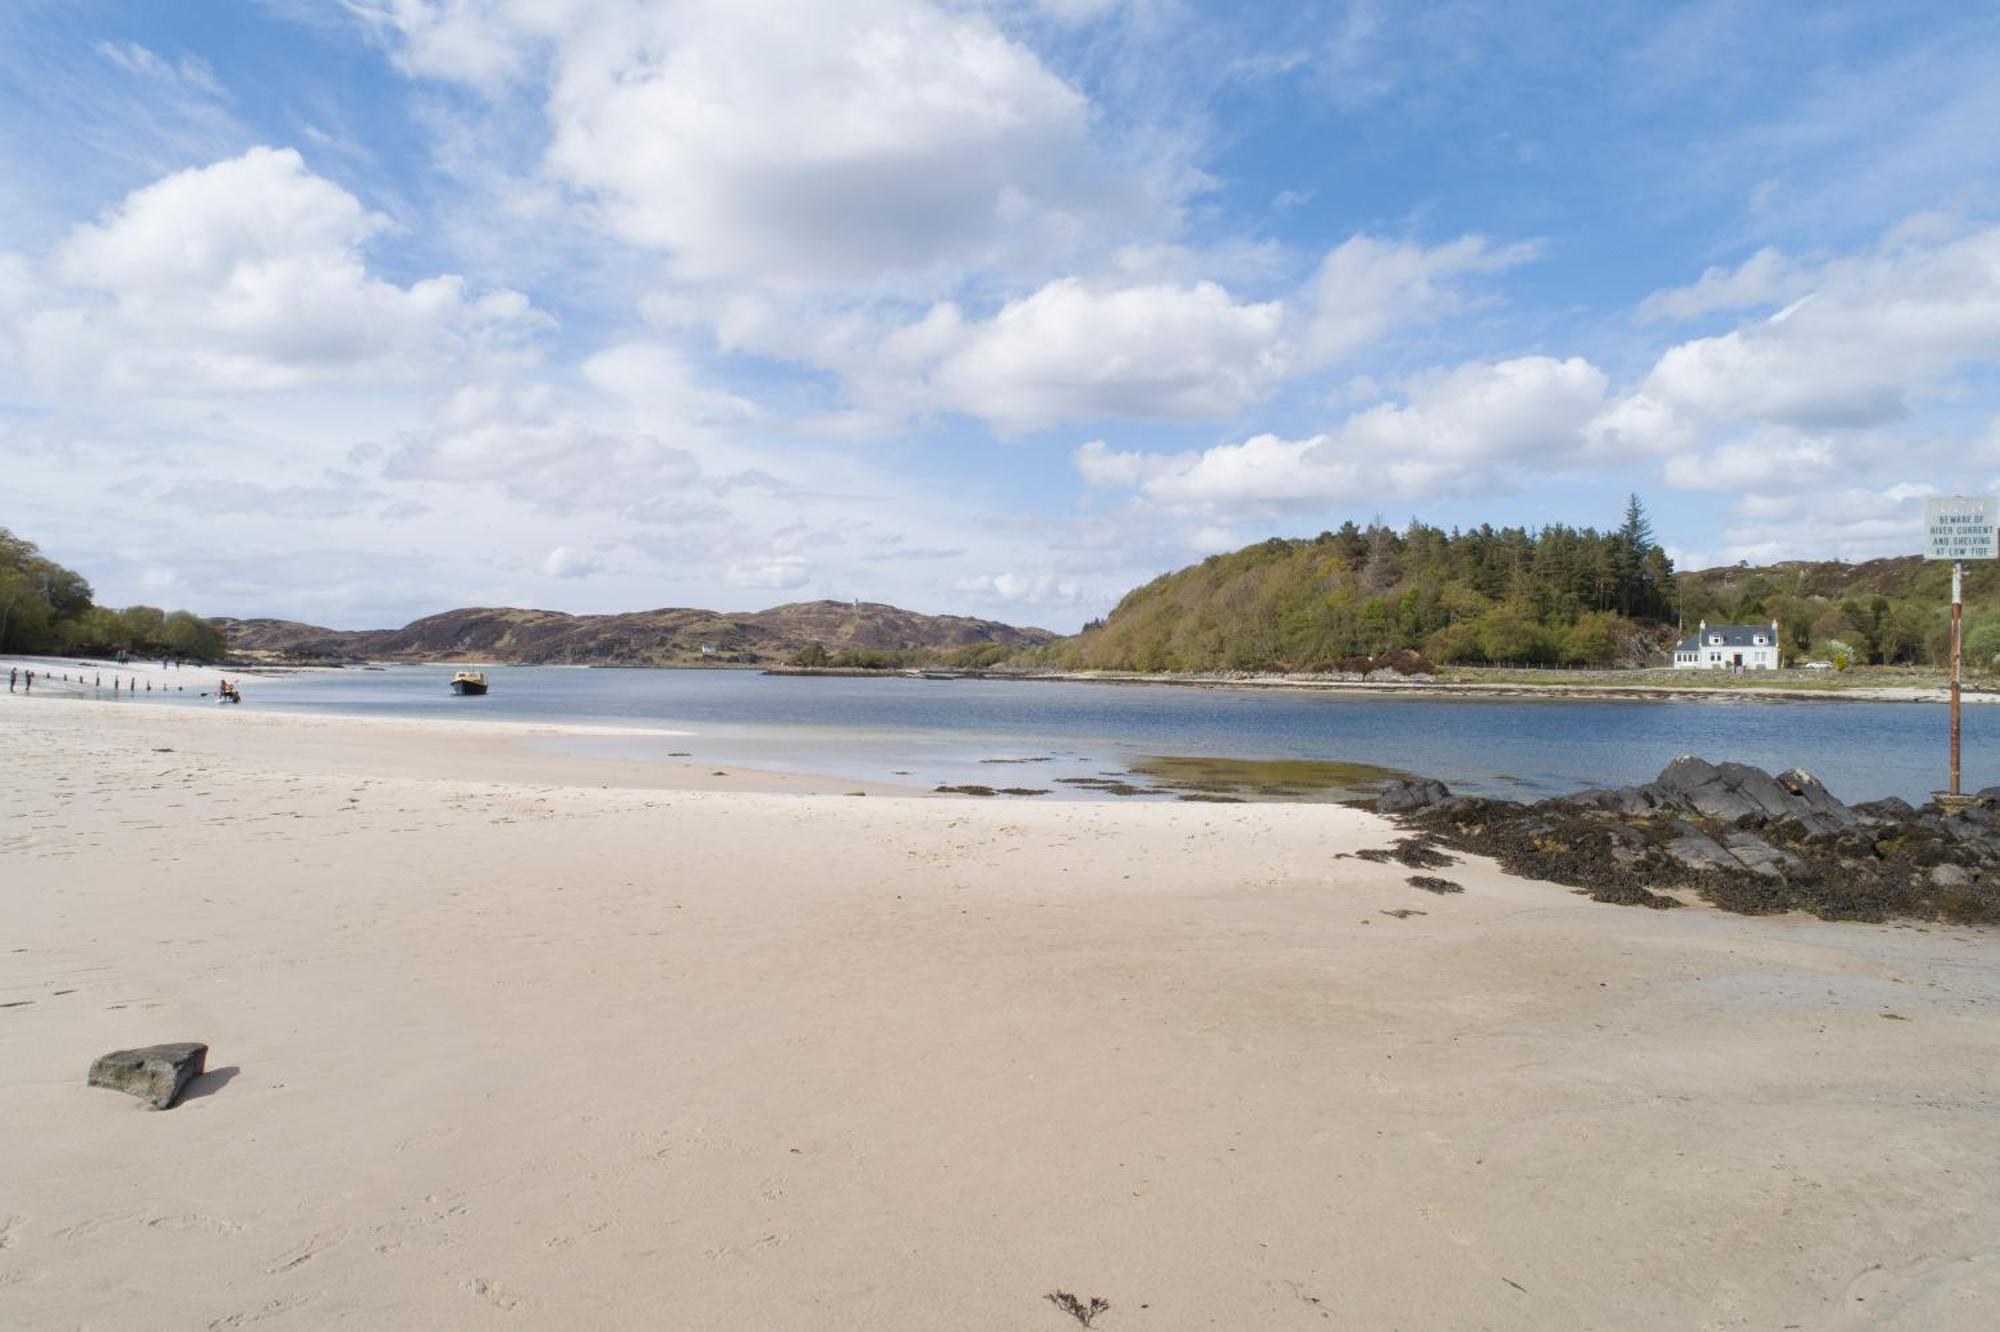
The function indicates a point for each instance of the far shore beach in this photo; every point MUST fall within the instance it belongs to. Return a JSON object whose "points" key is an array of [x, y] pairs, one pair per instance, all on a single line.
{"points": [[1648, 687], [501, 1037]]}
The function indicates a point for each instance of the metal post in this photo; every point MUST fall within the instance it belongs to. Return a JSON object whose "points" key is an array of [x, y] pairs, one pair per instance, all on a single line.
{"points": [[1957, 615]]}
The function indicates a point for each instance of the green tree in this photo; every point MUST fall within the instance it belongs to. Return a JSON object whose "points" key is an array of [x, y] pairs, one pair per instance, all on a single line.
{"points": [[27, 622], [1591, 641]]}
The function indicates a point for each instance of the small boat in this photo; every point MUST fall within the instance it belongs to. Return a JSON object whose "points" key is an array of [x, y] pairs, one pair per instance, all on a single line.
{"points": [[469, 682]]}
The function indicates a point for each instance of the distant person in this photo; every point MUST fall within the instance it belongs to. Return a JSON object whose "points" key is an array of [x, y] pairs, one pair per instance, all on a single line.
{"points": [[13, 678], [29, 686]]}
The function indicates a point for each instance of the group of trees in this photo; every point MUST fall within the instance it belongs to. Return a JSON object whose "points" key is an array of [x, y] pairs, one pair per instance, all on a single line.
{"points": [[1882, 613], [1498, 595], [45, 607], [970, 657]]}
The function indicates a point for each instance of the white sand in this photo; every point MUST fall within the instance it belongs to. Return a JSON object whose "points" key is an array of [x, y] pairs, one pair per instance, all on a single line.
{"points": [[502, 1040]]}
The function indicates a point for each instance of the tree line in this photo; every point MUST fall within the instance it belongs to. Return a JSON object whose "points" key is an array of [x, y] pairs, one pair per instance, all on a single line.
{"points": [[45, 607], [1505, 595]]}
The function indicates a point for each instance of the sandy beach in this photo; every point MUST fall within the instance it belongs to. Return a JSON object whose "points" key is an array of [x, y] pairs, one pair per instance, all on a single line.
{"points": [[503, 1038]]}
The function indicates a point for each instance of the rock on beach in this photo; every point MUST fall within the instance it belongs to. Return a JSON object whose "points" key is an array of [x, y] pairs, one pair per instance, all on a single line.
{"points": [[156, 1074]]}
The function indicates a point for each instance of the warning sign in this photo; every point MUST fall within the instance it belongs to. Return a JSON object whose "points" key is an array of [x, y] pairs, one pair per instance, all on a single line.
{"points": [[1960, 528]]}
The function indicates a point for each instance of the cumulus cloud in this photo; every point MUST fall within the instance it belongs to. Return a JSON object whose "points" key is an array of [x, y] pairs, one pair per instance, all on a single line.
{"points": [[1366, 285], [1155, 352], [1871, 335], [783, 142], [248, 275], [1456, 431], [1127, 346]]}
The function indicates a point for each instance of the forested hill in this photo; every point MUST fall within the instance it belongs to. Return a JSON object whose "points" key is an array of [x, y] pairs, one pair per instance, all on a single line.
{"points": [[1560, 595], [822, 632]]}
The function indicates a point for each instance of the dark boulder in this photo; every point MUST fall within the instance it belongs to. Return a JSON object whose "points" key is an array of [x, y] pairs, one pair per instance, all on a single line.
{"points": [[1825, 808], [1889, 809], [1406, 795], [156, 1074]]}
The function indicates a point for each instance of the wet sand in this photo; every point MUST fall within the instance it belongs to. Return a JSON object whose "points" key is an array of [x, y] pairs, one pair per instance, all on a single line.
{"points": [[507, 1038]]}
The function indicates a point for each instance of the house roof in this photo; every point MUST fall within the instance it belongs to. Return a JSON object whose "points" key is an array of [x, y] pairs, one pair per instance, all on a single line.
{"points": [[1733, 635]]}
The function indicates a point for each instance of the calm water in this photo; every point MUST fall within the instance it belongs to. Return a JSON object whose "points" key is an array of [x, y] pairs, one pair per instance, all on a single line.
{"points": [[931, 731]]}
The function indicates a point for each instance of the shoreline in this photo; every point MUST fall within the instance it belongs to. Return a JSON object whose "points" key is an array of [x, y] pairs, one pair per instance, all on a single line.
{"points": [[1804, 690], [1499, 691]]}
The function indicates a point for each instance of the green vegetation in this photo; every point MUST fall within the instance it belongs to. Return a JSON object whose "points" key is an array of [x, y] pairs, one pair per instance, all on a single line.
{"points": [[971, 657], [1880, 613], [1266, 779], [1490, 595], [47, 608], [1508, 597]]}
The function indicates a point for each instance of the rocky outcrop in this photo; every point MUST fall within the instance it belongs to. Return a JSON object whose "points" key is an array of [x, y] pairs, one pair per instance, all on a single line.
{"points": [[1742, 838], [156, 1074]]}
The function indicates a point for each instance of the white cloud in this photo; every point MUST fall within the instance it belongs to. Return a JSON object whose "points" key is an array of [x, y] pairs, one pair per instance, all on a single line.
{"points": [[1155, 352], [659, 383], [778, 571], [1458, 431], [142, 62], [1770, 457], [1873, 334], [486, 44], [1012, 589], [533, 448], [569, 562], [1765, 278], [1365, 286], [1848, 523], [248, 275], [807, 144]]}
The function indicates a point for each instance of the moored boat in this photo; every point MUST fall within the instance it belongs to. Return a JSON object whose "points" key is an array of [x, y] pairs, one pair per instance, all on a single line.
{"points": [[469, 682]]}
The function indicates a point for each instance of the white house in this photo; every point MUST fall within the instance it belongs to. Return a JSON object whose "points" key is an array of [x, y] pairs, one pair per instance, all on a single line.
{"points": [[1723, 647]]}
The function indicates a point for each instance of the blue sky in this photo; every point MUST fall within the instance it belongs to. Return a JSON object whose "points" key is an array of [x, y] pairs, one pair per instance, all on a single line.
{"points": [[353, 311]]}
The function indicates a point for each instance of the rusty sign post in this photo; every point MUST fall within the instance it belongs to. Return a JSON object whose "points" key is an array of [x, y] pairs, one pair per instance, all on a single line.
{"points": [[1959, 528]]}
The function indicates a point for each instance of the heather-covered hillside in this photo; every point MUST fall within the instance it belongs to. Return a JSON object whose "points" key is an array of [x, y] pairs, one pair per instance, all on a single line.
{"points": [[868, 631]]}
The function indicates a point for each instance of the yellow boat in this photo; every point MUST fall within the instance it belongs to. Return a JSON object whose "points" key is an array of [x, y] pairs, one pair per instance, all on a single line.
{"points": [[469, 682]]}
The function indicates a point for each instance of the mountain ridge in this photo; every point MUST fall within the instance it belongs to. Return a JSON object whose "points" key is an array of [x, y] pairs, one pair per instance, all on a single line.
{"points": [[663, 636]]}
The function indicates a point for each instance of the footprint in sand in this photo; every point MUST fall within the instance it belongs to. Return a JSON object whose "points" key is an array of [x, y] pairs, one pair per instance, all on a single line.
{"points": [[214, 1225], [492, 1293], [86, 1228], [425, 1137], [10, 1227], [268, 1309], [301, 1254]]}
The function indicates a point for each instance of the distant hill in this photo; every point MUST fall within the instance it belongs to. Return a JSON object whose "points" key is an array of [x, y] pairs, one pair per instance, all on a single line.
{"points": [[863, 634]]}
